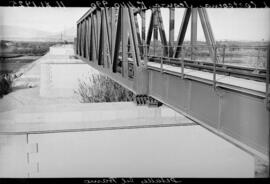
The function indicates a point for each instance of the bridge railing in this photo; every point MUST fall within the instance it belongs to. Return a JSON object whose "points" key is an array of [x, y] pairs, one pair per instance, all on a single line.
{"points": [[268, 80], [248, 62]]}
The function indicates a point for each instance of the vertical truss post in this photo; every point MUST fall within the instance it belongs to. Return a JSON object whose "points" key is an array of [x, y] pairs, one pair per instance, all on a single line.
{"points": [[107, 36], [207, 31], [83, 39], [214, 68], [100, 38], [80, 41], [268, 91], [149, 33], [108, 27], [124, 32], [155, 29], [182, 32], [208, 26], [87, 38], [117, 39], [258, 59], [162, 32], [93, 39], [99, 27], [223, 55], [138, 34], [268, 78], [143, 37], [96, 35], [161, 64], [112, 30], [171, 33], [193, 39], [90, 39], [183, 62], [77, 40], [143, 25], [133, 38]]}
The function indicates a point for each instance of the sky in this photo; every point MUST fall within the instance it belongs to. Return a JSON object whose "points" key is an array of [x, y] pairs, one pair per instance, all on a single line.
{"points": [[51, 20], [227, 24]]}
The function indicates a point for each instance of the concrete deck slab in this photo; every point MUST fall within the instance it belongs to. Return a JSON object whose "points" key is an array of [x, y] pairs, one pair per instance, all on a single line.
{"points": [[82, 117], [185, 151], [13, 157]]}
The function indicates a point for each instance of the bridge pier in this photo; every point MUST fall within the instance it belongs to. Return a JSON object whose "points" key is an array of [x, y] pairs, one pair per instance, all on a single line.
{"points": [[147, 100]]}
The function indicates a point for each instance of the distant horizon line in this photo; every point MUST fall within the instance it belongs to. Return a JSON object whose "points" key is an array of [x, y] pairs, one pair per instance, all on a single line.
{"points": [[63, 31], [69, 38]]}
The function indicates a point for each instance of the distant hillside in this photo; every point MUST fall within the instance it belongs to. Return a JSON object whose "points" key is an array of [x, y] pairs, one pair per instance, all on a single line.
{"points": [[16, 33], [67, 34], [22, 34]]}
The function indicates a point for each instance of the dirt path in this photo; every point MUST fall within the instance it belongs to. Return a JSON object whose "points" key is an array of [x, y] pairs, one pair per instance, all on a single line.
{"points": [[26, 89]]}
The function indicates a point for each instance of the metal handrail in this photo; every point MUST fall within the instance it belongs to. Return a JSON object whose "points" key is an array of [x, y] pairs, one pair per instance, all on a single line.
{"points": [[214, 68], [267, 92], [218, 54]]}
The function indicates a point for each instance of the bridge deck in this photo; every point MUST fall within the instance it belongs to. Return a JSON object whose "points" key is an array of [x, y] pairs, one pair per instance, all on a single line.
{"points": [[258, 88]]}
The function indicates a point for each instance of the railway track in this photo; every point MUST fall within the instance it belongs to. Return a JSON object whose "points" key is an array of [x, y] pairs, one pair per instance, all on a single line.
{"points": [[230, 70]]}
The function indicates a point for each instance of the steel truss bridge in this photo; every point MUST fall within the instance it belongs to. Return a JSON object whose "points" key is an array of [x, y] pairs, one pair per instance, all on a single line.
{"points": [[198, 80]]}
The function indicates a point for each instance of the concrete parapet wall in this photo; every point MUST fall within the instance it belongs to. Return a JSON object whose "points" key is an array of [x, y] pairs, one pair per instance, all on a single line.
{"points": [[61, 80], [61, 73]]}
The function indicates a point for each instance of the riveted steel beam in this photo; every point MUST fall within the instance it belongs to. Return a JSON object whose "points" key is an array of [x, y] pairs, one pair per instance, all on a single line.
{"points": [[95, 37], [117, 39], [101, 39], [193, 39], [93, 40], [150, 30], [138, 34], [77, 40], [171, 32], [155, 27], [87, 38], [268, 80], [107, 35], [134, 39], [124, 33], [182, 32], [162, 33], [113, 32], [208, 32], [90, 39]]}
